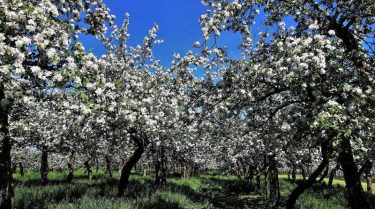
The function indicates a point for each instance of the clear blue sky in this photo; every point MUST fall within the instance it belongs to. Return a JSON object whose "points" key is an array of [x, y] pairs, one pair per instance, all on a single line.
{"points": [[177, 20]]}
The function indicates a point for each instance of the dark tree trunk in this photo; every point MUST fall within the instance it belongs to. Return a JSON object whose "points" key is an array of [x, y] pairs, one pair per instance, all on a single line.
{"points": [[257, 180], [238, 169], [157, 169], [21, 169], [70, 176], [88, 170], [97, 165], [325, 173], [108, 169], [14, 168], [163, 171], [354, 191], [249, 175], [6, 181], [272, 181], [332, 174], [369, 183], [44, 165], [366, 168], [125, 171], [296, 193], [161, 168], [163, 175], [303, 173], [294, 171]]}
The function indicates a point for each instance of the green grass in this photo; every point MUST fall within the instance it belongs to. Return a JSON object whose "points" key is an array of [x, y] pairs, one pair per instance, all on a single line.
{"points": [[208, 190], [336, 182]]}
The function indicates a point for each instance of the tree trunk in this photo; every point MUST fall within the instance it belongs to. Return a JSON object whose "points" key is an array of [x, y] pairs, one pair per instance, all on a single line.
{"points": [[14, 168], [354, 191], [44, 165], [88, 170], [70, 176], [125, 172], [6, 181], [366, 168], [108, 169], [369, 183], [21, 169], [163, 168], [257, 180], [293, 197], [325, 173], [272, 181], [97, 165], [331, 177], [157, 169], [303, 173], [294, 171], [185, 175]]}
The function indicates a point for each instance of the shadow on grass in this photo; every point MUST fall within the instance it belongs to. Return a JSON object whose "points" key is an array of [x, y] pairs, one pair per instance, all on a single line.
{"points": [[52, 181], [222, 193], [31, 194], [320, 192], [161, 204]]}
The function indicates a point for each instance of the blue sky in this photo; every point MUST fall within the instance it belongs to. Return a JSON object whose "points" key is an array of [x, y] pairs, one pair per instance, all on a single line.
{"points": [[177, 20]]}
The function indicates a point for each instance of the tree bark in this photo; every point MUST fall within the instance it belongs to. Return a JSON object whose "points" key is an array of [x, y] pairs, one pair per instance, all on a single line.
{"points": [[366, 168], [272, 181], [303, 173], [108, 169], [70, 168], [369, 183], [354, 191], [325, 173], [14, 168], [44, 165], [6, 181], [145, 171], [294, 171], [88, 170], [97, 165], [332, 175], [125, 171], [185, 172], [21, 169], [157, 169], [296, 193], [161, 168], [257, 180], [238, 169]]}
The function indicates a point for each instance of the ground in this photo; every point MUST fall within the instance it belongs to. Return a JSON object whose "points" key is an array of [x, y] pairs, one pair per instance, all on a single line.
{"points": [[207, 190]]}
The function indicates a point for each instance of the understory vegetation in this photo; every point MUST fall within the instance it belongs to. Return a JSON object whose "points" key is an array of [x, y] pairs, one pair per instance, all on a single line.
{"points": [[207, 190]]}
